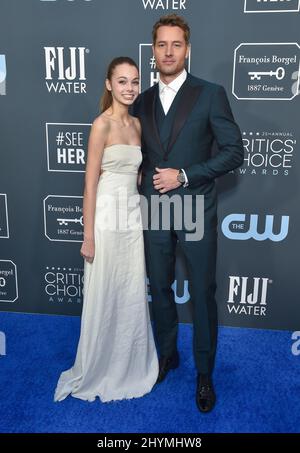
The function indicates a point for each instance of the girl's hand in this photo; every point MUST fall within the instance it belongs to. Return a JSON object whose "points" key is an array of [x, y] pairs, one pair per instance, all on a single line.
{"points": [[87, 250]]}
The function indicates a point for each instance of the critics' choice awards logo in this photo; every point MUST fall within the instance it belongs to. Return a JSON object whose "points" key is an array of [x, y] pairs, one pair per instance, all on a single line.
{"points": [[66, 69], [164, 4], [66, 146], [4, 229], [2, 75], [63, 219], [64, 284], [149, 74], [260, 228], [8, 281], [267, 153], [271, 6], [267, 71], [248, 296]]}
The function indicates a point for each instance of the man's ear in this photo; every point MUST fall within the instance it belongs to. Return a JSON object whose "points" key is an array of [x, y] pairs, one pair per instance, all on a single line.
{"points": [[188, 51]]}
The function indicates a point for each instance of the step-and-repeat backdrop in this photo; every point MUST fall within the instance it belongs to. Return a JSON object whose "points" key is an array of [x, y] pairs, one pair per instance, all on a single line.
{"points": [[53, 57]]}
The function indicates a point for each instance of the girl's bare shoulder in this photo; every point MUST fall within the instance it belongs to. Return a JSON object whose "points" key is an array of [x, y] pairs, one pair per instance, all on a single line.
{"points": [[101, 123]]}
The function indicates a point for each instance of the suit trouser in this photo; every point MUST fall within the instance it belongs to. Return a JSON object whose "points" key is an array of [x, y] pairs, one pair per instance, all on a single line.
{"points": [[160, 247]]}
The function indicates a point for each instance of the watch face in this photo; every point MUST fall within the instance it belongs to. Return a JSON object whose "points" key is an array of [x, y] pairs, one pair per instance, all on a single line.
{"points": [[180, 177]]}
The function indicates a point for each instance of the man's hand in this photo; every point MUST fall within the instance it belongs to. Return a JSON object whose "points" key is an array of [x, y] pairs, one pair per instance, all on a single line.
{"points": [[166, 179]]}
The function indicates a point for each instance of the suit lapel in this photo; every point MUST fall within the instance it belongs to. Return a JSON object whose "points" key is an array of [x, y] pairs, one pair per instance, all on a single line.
{"points": [[189, 97], [150, 103]]}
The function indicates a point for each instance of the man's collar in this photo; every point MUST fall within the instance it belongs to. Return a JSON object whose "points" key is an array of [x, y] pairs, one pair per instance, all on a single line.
{"points": [[175, 85]]}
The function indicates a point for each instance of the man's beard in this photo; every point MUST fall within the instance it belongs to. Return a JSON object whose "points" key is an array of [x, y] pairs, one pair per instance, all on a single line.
{"points": [[169, 71]]}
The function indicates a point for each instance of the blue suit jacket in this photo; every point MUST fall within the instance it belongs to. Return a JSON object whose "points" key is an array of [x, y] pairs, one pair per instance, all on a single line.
{"points": [[203, 115]]}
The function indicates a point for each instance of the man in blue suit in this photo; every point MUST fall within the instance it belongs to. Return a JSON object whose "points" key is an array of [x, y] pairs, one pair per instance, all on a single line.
{"points": [[181, 116]]}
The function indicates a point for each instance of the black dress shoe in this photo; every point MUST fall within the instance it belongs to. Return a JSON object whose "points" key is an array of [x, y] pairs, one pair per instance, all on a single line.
{"points": [[205, 394], [166, 364]]}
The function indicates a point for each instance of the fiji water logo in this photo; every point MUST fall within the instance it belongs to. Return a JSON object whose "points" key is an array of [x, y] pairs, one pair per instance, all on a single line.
{"points": [[164, 4], [234, 226], [247, 296], [66, 69]]}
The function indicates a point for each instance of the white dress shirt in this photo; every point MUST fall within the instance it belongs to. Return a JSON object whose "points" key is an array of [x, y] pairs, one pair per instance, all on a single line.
{"points": [[167, 94]]}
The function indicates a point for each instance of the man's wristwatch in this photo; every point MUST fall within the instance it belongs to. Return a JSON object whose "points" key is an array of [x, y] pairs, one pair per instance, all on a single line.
{"points": [[180, 177]]}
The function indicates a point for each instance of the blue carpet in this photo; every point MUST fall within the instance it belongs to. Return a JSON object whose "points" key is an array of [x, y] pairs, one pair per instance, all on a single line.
{"points": [[256, 380]]}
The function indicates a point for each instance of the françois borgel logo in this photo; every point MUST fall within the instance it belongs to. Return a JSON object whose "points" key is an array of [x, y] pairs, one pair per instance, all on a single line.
{"points": [[4, 229], [237, 227], [164, 4], [268, 153], [268, 71], [66, 69], [63, 219], [271, 6], [64, 284], [147, 65], [8, 281], [248, 296], [2, 75], [67, 146]]}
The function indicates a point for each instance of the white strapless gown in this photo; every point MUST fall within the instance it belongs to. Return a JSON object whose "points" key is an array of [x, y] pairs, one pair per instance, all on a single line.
{"points": [[116, 356]]}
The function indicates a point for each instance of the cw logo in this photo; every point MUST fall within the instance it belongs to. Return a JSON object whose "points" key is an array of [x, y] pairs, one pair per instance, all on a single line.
{"points": [[234, 222], [181, 298]]}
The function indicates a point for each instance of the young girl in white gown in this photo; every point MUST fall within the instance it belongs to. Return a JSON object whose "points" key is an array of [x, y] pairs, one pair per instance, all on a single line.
{"points": [[116, 356]]}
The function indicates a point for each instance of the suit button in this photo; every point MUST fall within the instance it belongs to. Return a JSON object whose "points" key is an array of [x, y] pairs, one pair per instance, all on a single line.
{"points": [[165, 158]]}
